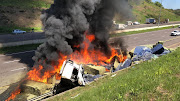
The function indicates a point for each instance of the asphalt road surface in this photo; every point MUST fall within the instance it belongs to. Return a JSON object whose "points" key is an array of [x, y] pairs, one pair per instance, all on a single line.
{"points": [[14, 66], [21, 37], [40, 35]]}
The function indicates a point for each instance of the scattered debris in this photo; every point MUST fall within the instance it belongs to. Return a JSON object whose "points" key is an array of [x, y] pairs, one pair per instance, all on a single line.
{"points": [[125, 64], [148, 52], [94, 70]]}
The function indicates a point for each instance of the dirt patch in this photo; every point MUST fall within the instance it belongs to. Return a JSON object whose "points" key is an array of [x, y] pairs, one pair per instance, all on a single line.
{"points": [[177, 75], [161, 90], [126, 95]]}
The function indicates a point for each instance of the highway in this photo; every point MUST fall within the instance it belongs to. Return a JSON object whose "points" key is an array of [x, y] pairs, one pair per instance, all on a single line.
{"points": [[14, 66], [7, 38]]}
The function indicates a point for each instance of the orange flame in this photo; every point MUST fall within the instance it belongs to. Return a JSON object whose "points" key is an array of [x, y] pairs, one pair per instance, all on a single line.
{"points": [[84, 56], [13, 94]]}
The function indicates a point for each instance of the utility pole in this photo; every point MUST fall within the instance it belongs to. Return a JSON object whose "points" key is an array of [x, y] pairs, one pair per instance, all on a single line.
{"points": [[160, 14]]}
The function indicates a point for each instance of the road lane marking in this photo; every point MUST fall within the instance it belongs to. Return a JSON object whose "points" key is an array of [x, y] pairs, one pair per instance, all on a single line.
{"points": [[2, 87], [172, 46], [18, 69], [11, 61], [171, 39]]}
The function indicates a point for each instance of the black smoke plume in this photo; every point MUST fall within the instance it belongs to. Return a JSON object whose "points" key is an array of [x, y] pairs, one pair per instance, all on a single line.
{"points": [[66, 21]]}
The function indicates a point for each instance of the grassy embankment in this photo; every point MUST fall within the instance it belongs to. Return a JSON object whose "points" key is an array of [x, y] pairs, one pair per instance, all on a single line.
{"points": [[155, 80], [150, 10], [141, 31], [14, 49], [29, 10], [142, 10]]}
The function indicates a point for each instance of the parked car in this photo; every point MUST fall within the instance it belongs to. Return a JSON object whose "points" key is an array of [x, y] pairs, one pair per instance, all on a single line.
{"points": [[136, 23], [18, 31], [175, 33]]}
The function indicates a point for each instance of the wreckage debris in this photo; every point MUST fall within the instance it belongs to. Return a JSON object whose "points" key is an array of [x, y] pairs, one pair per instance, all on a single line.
{"points": [[94, 70], [125, 64], [35, 88], [73, 74], [144, 53]]}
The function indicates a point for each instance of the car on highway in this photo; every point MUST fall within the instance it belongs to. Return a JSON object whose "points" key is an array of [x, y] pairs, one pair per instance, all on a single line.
{"points": [[136, 23], [175, 33], [120, 26], [18, 31]]}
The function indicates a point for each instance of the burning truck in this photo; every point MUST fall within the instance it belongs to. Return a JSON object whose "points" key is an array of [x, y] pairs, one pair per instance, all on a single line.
{"points": [[77, 33]]}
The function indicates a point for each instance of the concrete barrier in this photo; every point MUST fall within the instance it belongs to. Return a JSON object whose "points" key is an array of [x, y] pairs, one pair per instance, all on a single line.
{"points": [[139, 29], [22, 43]]}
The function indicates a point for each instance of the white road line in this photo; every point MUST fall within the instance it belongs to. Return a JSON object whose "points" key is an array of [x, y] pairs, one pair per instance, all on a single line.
{"points": [[17, 53], [11, 61], [18, 69]]}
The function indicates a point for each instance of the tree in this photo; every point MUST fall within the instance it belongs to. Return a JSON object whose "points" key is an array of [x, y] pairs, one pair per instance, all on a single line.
{"points": [[148, 1], [158, 4]]}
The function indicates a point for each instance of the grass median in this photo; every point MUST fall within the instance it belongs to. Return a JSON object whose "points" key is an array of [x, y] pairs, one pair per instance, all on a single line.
{"points": [[141, 31], [155, 80], [21, 48], [9, 29]]}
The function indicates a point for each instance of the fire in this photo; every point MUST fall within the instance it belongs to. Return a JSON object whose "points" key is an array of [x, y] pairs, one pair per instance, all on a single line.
{"points": [[86, 55], [13, 95]]}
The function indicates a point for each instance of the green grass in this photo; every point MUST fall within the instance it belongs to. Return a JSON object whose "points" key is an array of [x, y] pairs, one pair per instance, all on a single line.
{"points": [[141, 31], [26, 4], [14, 49], [9, 29], [155, 80]]}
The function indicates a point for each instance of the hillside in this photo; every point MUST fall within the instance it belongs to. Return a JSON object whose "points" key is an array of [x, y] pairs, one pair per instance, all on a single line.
{"points": [[150, 10], [25, 14], [142, 10]]}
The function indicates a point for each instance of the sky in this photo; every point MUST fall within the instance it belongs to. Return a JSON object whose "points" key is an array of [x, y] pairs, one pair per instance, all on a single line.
{"points": [[170, 4]]}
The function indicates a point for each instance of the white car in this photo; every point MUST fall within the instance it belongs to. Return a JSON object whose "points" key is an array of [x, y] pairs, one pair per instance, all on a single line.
{"points": [[136, 23], [120, 26], [175, 33], [18, 31]]}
